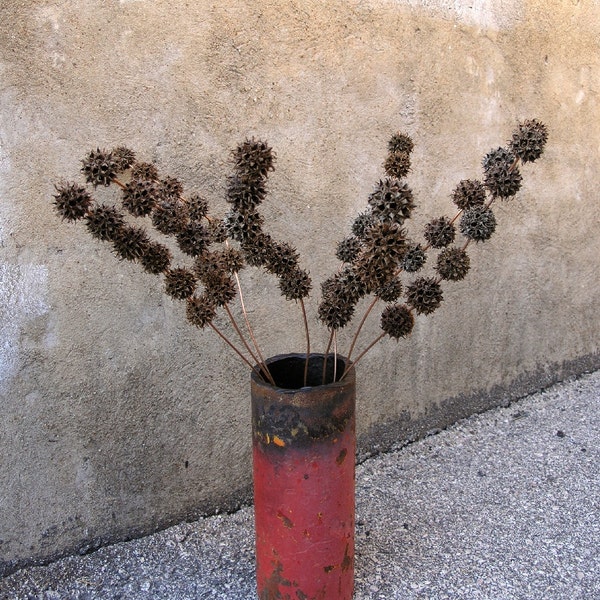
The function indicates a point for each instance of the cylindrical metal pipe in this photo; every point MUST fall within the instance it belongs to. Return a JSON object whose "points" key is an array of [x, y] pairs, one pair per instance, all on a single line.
{"points": [[304, 444]]}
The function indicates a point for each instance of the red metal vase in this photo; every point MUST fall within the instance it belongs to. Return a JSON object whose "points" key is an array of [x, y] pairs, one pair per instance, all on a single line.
{"points": [[304, 445]]}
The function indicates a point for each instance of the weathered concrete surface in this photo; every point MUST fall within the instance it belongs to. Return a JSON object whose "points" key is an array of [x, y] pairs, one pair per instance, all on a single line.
{"points": [[119, 418]]}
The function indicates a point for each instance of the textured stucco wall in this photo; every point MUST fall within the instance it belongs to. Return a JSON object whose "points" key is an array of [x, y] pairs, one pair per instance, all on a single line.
{"points": [[116, 416]]}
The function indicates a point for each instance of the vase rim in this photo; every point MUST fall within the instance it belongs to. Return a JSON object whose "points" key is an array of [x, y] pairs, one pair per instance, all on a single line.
{"points": [[349, 378]]}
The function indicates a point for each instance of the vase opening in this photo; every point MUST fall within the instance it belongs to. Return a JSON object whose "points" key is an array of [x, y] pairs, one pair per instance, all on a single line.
{"points": [[288, 371]]}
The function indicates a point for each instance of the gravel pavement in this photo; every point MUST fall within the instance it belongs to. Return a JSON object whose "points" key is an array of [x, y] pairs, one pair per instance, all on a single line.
{"points": [[503, 505]]}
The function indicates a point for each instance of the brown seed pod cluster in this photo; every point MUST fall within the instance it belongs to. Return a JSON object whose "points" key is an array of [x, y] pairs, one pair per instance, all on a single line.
{"points": [[376, 255], [161, 202], [378, 250], [253, 160]]}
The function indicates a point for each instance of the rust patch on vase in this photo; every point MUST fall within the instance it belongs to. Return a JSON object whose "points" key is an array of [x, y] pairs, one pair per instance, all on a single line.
{"points": [[348, 560], [285, 520], [342, 455], [271, 590]]}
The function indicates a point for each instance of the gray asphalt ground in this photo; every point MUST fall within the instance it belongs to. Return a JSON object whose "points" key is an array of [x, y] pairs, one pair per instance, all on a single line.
{"points": [[502, 505]]}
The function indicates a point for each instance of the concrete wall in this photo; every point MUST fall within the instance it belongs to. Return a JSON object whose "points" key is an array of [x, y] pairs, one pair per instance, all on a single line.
{"points": [[116, 416]]}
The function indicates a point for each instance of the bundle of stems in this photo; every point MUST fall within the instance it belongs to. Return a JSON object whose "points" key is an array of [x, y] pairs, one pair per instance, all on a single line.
{"points": [[373, 257]]}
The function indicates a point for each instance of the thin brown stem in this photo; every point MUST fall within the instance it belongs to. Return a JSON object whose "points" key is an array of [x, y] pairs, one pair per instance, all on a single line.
{"points": [[239, 332], [360, 325], [249, 328], [326, 355], [335, 356], [373, 343], [456, 216], [247, 346], [307, 341], [230, 344]]}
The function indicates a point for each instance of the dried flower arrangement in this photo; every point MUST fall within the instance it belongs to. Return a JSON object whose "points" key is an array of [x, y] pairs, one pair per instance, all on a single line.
{"points": [[373, 256]]}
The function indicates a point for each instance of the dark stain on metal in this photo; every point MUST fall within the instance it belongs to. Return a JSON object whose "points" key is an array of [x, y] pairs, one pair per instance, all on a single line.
{"points": [[271, 589], [348, 560], [342, 455], [285, 520], [329, 568]]}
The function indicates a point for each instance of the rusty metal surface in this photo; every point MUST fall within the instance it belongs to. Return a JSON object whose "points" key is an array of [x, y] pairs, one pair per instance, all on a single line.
{"points": [[283, 415], [304, 445]]}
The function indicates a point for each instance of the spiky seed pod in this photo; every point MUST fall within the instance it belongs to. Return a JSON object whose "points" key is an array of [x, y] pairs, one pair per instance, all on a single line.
{"points": [[469, 193], [220, 289], [156, 258], [208, 265], [400, 142], [453, 264], [170, 187], [348, 249], [414, 258], [245, 192], [72, 201], [243, 227], [499, 157], [295, 284], [397, 164], [362, 224], [104, 222], [330, 287], [123, 157], [391, 201], [233, 260], [424, 295], [281, 258], [529, 139], [144, 170], [131, 243], [254, 158], [140, 197], [180, 283], [200, 311], [397, 321], [217, 232], [385, 245], [257, 249], [373, 271], [439, 232], [347, 285], [501, 175], [99, 167], [390, 291], [170, 216], [193, 239], [335, 313], [478, 223], [502, 181], [197, 207]]}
